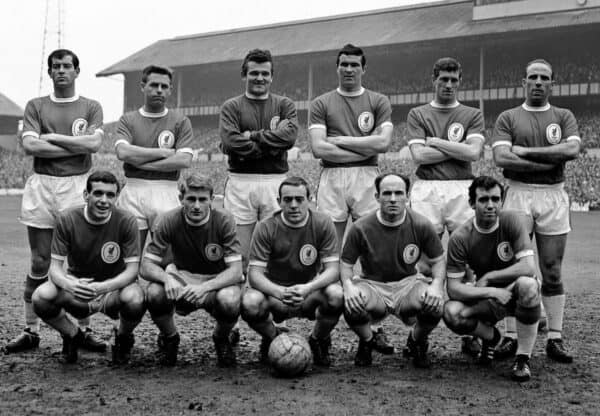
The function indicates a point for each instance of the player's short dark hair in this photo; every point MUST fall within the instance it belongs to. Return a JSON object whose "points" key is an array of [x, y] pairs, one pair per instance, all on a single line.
{"points": [[350, 49], [197, 182], [382, 176], [540, 61], [446, 64], [103, 176], [260, 56], [156, 69], [294, 181], [485, 182], [61, 53]]}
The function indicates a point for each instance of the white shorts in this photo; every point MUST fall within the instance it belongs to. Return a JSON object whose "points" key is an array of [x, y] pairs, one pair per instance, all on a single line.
{"points": [[444, 203], [544, 208], [344, 191], [252, 197], [395, 295], [147, 199], [47, 196]]}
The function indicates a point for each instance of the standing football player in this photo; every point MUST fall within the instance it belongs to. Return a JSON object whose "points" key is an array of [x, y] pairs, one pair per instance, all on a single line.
{"points": [[495, 245], [60, 131], [100, 244], [389, 242], [257, 128], [532, 143], [155, 143], [206, 271], [445, 137], [294, 272], [348, 128]]}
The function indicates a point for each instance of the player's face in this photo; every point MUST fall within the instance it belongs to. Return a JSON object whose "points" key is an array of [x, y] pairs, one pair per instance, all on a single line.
{"points": [[538, 84], [294, 203], [196, 204], [487, 206], [445, 86], [258, 78], [100, 200], [157, 90], [63, 72], [350, 72], [392, 197]]}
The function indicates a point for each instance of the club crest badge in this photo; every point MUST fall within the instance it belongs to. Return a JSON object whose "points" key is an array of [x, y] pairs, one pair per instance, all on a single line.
{"points": [[79, 127], [213, 252], [366, 120], [553, 133], [411, 254], [456, 132], [166, 139], [274, 123], [308, 255], [505, 252], [110, 252]]}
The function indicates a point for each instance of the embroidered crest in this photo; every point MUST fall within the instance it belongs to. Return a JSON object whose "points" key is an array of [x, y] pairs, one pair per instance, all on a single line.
{"points": [[213, 252], [411, 253], [308, 254], [274, 122], [166, 139], [553, 133], [110, 252], [79, 127], [455, 132], [366, 120], [505, 252]]}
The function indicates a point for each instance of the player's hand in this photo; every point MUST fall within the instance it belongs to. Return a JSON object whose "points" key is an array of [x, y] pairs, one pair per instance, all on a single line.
{"points": [[98, 287], [353, 299], [291, 298], [195, 294], [483, 282], [501, 295], [433, 299], [168, 153], [172, 287], [81, 289], [298, 293], [48, 137], [283, 124]]}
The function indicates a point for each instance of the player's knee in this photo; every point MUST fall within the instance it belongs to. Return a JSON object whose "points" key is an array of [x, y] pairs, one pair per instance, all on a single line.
{"points": [[455, 320], [44, 301], [528, 316], [334, 295], [156, 299], [254, 306], [528, 292], [132, 297], [228, 302]]}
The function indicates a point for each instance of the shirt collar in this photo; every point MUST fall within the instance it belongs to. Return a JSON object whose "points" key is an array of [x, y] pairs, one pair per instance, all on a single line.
{"points": [[486, 230], [145, 113], [263, 97], [196, 224], [390, 224], [56, 99], [438, 105], [86, 215], [289, 224], [351, 94], [535, 109]]}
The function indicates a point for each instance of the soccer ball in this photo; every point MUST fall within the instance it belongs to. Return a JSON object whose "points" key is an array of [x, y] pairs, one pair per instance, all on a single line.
{"points": [[290, 354]]}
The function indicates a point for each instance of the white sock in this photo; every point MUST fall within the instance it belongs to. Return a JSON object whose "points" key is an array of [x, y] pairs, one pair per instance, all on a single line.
{"points": [[31, 319], [510, 327], [555, 308], [526, 335]]}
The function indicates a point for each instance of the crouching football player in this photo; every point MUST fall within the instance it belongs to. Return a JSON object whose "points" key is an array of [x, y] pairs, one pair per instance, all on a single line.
{"points": [[294, 272], [206, 272], [497, 247], [389, 243], [100, 244]]}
